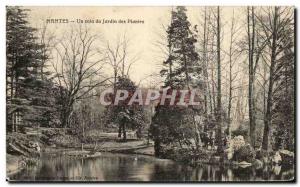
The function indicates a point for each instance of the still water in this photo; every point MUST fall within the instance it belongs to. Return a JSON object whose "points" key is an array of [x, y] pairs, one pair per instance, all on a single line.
{"points": [[121, 167]]}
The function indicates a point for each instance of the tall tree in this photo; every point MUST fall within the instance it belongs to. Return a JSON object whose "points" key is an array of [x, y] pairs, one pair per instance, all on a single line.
{"points": [[219, 94], [77, 69], [182, 70], [256, 44], [251, 23], [233, 56], [206, 60], [25, 91], [183, 59], [277, 25]]}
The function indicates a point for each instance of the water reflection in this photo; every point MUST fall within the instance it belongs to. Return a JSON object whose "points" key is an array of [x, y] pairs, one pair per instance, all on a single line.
{"points": [[120, 167]]}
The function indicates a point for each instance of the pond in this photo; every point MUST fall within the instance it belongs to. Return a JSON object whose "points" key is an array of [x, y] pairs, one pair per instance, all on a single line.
{"points": [[123, 167]]}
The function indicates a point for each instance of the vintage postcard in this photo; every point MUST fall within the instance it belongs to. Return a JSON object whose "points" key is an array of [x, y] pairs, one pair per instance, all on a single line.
{"points": [[155, 94]]}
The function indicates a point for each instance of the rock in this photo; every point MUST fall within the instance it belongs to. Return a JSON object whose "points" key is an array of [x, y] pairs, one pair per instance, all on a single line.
{"points": [[276, 158], [229, 153], [287, 156], [276, 169], [22, 144], [286, 152], [14, 149], [257, 164]]}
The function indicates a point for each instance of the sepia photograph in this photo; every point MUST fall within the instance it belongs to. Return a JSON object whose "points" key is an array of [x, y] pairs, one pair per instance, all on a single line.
{"points": [[150, 94]]}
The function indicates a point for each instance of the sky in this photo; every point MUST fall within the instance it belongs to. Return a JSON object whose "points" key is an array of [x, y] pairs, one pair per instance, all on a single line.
{"points": [[143, 37]]}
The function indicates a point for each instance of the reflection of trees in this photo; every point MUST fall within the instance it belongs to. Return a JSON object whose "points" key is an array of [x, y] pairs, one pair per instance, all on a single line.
{"points": [[288, 173], [167, 172], [118, 167], [244, 174], [114, 167]]}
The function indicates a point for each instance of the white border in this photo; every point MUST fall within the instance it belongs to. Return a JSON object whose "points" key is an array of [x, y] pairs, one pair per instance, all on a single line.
{"points": [[152, 2], [3, 3]]}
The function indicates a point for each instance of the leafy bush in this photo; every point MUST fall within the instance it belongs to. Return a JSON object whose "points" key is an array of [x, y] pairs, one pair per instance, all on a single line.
{"points": [[66, 140], [237, 142], [51, 132]]}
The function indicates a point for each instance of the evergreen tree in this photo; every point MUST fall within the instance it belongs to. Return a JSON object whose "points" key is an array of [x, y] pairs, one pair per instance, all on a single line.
{"points": [[279, 25], [284, 94], [28, 98], [181, 67], [174, 125]]}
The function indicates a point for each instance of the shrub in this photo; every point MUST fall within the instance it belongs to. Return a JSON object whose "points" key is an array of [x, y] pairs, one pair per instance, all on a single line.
{"points": [[65, 140], [237, 142]]}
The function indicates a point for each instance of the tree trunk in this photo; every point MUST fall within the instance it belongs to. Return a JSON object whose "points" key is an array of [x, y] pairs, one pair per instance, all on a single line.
{"points": [[15, 113], [185, 67], [11, 101], [213, 94], [205, 66], [157, 148], [83, 128], [198, 139], [251, 39], [219, 115], [120, 131], [229, 107], [124, 131], [268, 117], [230, 77]]}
